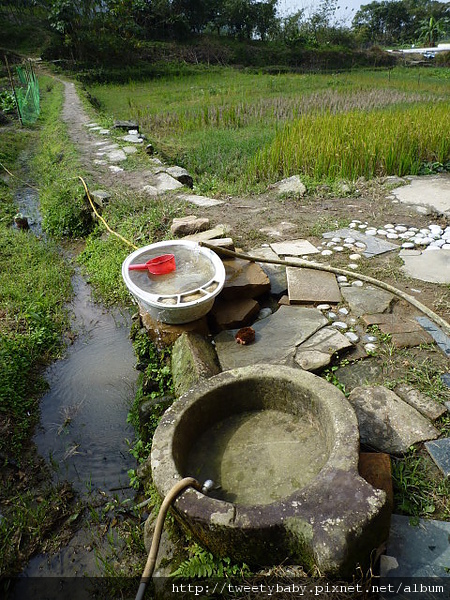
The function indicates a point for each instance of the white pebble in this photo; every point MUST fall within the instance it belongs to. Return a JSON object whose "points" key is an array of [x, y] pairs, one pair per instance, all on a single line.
{"points": [[356, 221], [330, 244], [345, 284], [340, 325], [408, 245], [338, 248], [323, 307], [355, 256], [352, 337], [392, 236], [336, 240], [352, 225], [348, 246], [445, 247], [381, 232], [427, 240], [400, 228], [326, 252], [370, 338], [350, 240], [370, 347], [343, 311], [362, 226], [413, 229], [357, 283], [360, 245], [425, 231], [438, 243], [371, 232], [352, 266], [341, 278], [430, 247], [332, 316], [389, 226]]}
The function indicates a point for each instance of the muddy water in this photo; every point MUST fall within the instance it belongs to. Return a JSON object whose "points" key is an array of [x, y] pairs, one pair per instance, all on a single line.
{"points": [[83, 431]]}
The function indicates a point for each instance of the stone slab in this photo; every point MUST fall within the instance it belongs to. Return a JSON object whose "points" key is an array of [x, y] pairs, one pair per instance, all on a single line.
{"points": [[243, 279], [181, 175], [235, 313], [202, 201], [210, 234], [166, 183], [316, 352], [132, 139], [188, 225], [433, 267], [226, 243], [411, 339], [129, 149], [374, 245], [362, 373], [386, 422], [439, 451], [441, 339], [309, 285], [421, 550], [100, 197], [426, 406], [193, 359], [276, 339], [375, 468], [117, 156], [294, 248], [432, 191], [367, 300], [276, 273]]}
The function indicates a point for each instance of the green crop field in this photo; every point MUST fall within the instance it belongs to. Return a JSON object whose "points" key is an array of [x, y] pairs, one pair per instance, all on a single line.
{"points": [[238, 131]]}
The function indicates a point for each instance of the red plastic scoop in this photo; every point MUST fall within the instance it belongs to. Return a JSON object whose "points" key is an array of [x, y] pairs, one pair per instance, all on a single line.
{"points": [[160, 265]]}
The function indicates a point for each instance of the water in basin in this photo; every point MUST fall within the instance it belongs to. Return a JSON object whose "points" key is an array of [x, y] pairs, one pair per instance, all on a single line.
{"points": [[193, 270], [259, 457]]}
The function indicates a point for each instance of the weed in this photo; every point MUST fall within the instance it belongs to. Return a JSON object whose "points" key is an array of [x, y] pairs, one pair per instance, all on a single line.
{"points": [[202, 563]]}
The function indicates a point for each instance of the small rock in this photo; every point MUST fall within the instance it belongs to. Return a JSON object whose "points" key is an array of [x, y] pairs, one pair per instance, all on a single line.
{"points": [[357, 283], [340, 325], [332, 316], [341, 279], [326, 252], [370, 348], [355, 256], [352, 337], [323, 307], [343, 311]]}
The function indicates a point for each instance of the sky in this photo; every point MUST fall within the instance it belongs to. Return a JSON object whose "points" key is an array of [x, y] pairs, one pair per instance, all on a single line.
{"points": [[346, 12]]}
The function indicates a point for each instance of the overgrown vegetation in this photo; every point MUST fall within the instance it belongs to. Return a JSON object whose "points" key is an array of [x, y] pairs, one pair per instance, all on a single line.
{"points": [[238, 130]]}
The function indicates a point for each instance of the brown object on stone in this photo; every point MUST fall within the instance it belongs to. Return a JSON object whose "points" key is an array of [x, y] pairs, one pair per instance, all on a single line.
{"points": [[189, 225], [21, 221], [308, 285], [234, 314], [375, 468], [163, 334], [245, 336], [243, 279]]}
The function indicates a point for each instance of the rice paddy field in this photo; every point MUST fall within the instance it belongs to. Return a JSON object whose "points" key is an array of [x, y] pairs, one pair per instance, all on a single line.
{"points": [[239, 131]]}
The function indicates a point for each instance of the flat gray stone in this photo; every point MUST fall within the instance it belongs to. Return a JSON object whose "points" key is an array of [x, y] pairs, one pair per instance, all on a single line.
{"points": [[165, 183], [181, 175], [428, 266], [150, 190], [276, 273], [116, 156], [362, 373], [367, 300], [243, 279], [432, 191], [129, 149], [386, 422], [308, 285], [202, 201], [210, 234], [277, 338], [426, 406], [373, 244], [294, 248], [439, 451], [316, 352], [291, 185], [421, 550], [441, 339], [132, 139]]}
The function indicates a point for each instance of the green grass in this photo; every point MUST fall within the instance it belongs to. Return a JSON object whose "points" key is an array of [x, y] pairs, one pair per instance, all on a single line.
{"points": [[237, 130]]}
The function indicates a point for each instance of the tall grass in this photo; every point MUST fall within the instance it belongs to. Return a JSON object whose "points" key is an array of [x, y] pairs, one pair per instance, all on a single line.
{"points": [[236, 130], [358, 143]]}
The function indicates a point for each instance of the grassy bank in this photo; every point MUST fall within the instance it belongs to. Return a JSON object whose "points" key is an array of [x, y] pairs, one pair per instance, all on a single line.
{"points": [[239, 130]]}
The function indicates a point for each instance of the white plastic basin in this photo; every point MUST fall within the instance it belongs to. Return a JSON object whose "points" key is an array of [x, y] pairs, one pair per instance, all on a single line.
{"points": [[184, 295]]}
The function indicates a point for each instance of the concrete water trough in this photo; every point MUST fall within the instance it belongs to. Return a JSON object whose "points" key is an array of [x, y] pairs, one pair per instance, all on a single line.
{"points": [[183, 295], [282, 447]]}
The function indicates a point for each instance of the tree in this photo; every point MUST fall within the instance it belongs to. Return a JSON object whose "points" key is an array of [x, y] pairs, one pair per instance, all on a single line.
{"points": [[431, 30]]}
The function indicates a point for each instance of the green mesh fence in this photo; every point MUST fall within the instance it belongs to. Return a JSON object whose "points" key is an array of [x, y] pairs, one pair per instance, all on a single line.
{"points": [[28, 94]]}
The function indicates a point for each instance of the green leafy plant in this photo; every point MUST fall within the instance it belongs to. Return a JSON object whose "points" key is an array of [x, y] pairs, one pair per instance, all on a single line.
{"points": [[7, 101], [201, 563]]}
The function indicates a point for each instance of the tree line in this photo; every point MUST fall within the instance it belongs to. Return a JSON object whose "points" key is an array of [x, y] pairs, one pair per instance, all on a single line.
{"points": [[77, 24]]}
